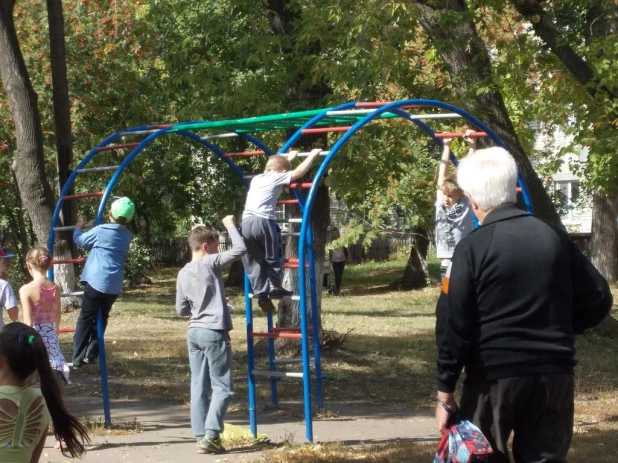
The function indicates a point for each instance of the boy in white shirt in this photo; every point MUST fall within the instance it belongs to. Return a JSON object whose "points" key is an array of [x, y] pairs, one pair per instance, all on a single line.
{"points": [[8, 301], [264, 260]]}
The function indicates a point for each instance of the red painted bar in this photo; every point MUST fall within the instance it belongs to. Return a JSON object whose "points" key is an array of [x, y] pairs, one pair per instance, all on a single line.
{"points": [[82, 195], [288, 201], [243, 154], [293, 260], [117, 147], [277, 335], [292, 266], [66, 330], [518, 190], [69, 261], [371, 104], [326, 130], [458, 134], [299, 185], [162, 126]]}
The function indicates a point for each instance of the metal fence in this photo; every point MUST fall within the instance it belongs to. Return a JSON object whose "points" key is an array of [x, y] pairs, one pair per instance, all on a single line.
{"points": [[175, 252]]}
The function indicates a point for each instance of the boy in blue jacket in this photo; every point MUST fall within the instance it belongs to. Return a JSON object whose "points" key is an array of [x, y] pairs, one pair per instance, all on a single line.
{"points": [[102, 277]]}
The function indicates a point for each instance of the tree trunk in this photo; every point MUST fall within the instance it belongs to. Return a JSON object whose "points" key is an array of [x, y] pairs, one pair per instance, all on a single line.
{"points": [[604, 245], [466, 56], [28, 162], [416, 274], [289, 313], [62, 109]]}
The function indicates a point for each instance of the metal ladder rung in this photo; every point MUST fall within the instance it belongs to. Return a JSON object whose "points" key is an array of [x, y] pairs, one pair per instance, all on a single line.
{"points": [[219, 135], [279, 374], [291, 220], [326, 130], [79, 260], [349, 112], [139, 132], [434, 116], [97, 169], [73, 294], [81, 196], [293, 297], [458, 134], [117, 147], [305, 154], [290, 234], [288, 335], [298, 185], [67, 228]]}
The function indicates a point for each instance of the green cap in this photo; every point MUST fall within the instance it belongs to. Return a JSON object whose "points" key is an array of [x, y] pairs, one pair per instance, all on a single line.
{"points": [[123, 207]]}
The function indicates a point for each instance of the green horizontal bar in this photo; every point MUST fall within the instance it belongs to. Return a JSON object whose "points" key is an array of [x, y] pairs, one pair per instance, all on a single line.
{"points": [[284, 121]]}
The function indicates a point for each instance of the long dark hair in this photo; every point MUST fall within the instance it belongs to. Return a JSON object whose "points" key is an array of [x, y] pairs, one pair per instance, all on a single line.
{"points": [[24, 351]]}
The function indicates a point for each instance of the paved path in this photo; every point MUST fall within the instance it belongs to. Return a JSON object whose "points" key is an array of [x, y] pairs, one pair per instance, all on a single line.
{"points": [[167, 431]]}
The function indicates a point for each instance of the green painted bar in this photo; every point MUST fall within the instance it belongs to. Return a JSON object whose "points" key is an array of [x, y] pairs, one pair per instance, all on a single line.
{"points": [[284, 121]]}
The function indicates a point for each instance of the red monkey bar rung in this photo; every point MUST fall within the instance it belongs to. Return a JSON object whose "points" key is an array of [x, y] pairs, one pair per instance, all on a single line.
{"points": [[277, 335], [459, 134], [69, 261], [82, 195], [326, 130]]}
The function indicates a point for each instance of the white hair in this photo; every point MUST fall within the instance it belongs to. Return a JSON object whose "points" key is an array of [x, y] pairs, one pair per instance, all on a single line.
{"points": [[489, 177]]}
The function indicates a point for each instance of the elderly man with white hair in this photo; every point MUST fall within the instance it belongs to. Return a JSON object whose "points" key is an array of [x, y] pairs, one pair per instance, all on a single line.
{"points": [[517, 292]]}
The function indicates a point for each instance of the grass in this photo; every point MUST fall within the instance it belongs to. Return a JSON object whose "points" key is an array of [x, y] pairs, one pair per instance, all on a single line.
{"points": [[388, 359]]}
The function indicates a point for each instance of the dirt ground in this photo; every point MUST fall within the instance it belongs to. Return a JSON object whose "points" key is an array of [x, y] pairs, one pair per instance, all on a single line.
{"points": [[166, 435]]}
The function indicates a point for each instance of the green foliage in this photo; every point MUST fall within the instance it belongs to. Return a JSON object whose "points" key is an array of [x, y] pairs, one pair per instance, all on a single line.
{"points": [[139, 260]]}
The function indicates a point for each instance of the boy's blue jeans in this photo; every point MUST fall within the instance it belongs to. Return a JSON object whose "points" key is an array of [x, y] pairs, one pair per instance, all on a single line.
{"points": [[210, 359]]}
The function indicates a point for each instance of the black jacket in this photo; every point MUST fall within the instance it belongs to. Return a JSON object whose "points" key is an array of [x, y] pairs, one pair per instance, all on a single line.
{"points": [[517, 293]]}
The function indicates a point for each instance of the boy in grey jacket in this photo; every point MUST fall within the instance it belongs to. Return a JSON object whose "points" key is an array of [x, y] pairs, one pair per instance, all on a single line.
{"points": [[200, 294]]}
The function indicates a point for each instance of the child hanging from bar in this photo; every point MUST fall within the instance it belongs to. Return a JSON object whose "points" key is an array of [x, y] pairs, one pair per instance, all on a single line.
{"points": [[453, 211], [103, 276], [264, 259]]}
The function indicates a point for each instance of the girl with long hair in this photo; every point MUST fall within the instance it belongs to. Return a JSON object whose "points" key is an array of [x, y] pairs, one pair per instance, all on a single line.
{"points": [[26, 412]]}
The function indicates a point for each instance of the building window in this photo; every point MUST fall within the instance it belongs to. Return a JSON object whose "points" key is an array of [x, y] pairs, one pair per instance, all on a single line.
{"points": [[568, 198]]}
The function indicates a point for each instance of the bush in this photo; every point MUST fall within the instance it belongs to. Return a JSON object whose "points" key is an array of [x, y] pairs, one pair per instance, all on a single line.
{"points": [[139, 260]]}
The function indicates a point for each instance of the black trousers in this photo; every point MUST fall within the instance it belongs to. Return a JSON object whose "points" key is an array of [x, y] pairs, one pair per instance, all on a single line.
{"points": [[537, 409], [85, 340], [338, 268]]}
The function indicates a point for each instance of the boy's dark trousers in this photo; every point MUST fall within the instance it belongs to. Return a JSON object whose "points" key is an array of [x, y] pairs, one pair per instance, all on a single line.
{"points": [[85, 340], [537, 409]]}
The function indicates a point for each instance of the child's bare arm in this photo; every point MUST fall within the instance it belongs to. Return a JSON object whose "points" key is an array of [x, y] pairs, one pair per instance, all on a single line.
{"points": [[26, 305], [58, 308], [238, 244], [304, 166], [13, 313], [471, 141], [444, 161]]}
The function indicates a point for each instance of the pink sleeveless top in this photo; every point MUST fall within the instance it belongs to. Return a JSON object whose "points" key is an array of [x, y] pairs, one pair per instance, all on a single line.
{"points": [[44, 311]]}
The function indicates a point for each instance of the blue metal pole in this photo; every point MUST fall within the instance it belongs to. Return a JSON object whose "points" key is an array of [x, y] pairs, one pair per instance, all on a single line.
{"points": [[250, 360], [103, 365], [302, 282], [314, 321], [271, 360]]}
